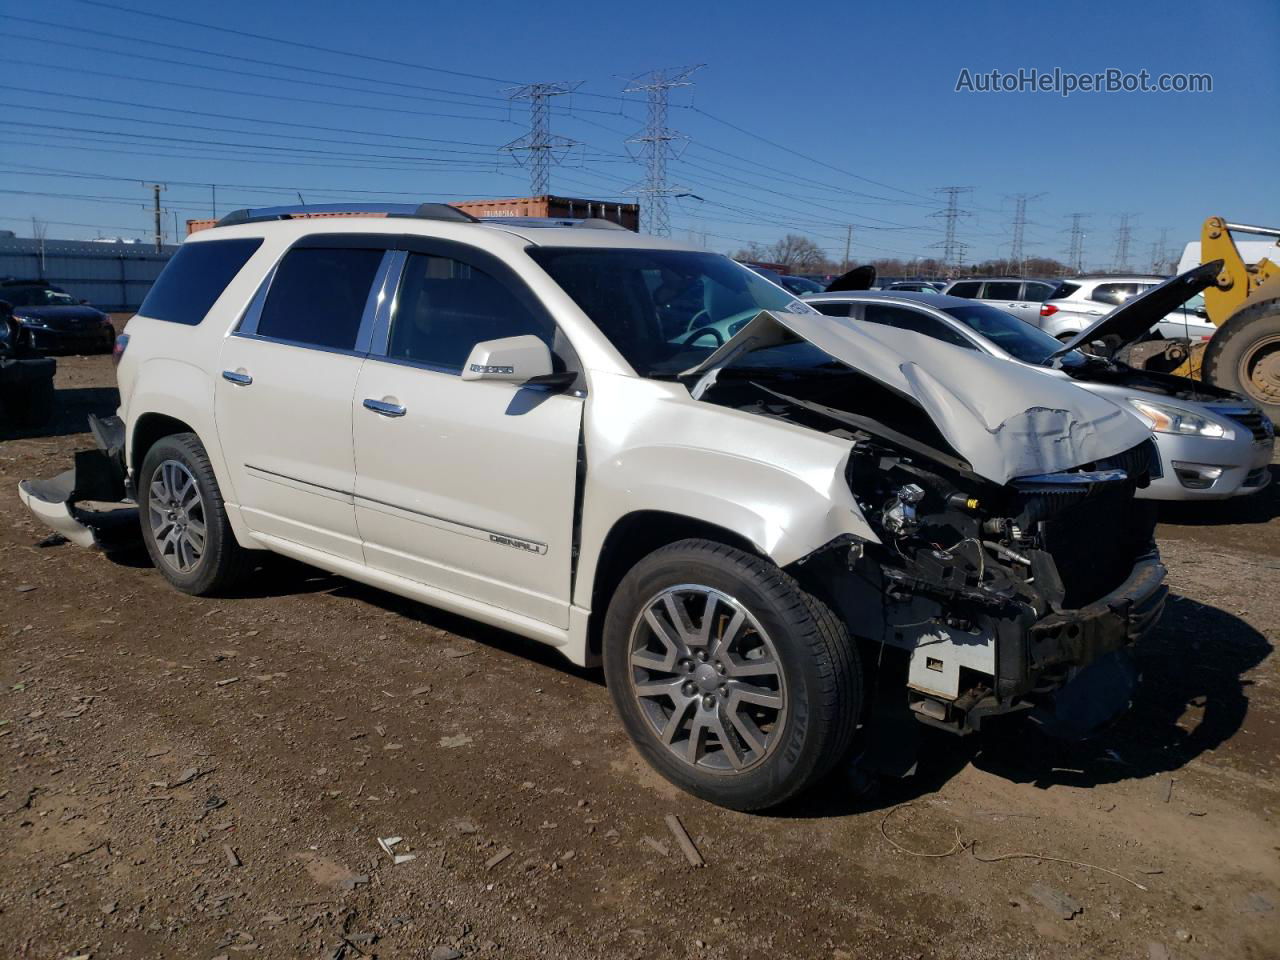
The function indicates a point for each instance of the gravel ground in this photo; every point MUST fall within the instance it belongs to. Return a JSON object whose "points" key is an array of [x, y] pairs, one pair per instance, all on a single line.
{"points": [[210, 778]]}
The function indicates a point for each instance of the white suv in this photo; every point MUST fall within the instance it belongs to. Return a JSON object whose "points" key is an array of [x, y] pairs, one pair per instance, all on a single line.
{"points": [[644, 455]]}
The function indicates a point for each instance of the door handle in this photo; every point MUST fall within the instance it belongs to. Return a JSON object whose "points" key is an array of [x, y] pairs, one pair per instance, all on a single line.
{"points": [[237, 377], [384, 408]]}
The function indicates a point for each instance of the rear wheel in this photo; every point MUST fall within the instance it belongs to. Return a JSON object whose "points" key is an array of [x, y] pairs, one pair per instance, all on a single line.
{"points": [[732, 682], [184, 521], [1244, 355]]}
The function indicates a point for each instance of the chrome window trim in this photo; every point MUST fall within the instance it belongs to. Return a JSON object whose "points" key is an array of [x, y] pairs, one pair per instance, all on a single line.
{"points": [[374, 302]]}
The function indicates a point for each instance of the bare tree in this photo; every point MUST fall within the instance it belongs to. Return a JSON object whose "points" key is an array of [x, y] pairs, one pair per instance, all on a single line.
{"points": [[797, 252]]}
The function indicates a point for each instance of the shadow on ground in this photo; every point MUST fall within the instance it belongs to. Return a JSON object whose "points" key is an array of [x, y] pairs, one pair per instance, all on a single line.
{"points": [[71, 409]]}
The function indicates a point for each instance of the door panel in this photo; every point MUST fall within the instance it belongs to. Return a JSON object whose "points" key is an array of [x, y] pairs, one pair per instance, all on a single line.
{"points": [[286, 437], [471, 489]]}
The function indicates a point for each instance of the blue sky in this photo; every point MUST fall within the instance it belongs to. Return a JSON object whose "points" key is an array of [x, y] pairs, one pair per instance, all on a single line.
{"points": [[805, 121]]}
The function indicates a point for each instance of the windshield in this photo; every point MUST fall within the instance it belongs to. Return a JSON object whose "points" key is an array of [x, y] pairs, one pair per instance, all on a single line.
{"points": [[664, 310], [1015, 337], [36, 297]]}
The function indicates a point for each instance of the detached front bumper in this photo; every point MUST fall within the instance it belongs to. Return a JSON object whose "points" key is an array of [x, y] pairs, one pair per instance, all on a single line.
{"points": [[98, 477]]}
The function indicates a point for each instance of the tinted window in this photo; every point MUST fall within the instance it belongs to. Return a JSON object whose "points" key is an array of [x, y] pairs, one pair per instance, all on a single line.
{"points": [[663, 310], [445, 307], [1016, 337], [915, 321], [831, 309], [1114, 293], [1003, 290], [194, 278], [1037, 292], [1063, 289], [317, 296], [965, 288]]}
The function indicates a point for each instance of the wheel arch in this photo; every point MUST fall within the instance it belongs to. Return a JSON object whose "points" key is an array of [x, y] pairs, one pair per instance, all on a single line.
{"points": [[634, 536]]}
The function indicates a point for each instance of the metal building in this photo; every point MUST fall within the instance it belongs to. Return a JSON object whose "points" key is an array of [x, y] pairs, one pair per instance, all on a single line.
{"points": [[113, 276]]}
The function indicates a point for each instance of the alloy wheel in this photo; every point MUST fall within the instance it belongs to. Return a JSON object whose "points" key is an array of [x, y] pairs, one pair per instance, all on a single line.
{"points": [[175, 511], [708, 679]]}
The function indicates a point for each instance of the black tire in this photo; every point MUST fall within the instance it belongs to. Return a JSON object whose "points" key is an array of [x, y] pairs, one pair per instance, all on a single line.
{"points": [[823, 675], [33, 407], [1231, 344], [223, 563]]}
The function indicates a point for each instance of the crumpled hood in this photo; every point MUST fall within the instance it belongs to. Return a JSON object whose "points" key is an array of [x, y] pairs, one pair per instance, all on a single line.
{"points": [[1006, 419]]}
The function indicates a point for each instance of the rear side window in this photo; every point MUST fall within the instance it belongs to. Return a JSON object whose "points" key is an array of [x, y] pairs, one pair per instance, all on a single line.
{"points": [[1003, 290], [1114, 293], [916, 322], [965, 288], [1063, 290], [445, 307], [194, 278], [1038, 292], [317, 296], [830, 309]]}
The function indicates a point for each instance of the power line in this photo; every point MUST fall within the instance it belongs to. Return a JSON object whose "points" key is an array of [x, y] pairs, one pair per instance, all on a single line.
{"points": [[540, 144], [656, 140]]}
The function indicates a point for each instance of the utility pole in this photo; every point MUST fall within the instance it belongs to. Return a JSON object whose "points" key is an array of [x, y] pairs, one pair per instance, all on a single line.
{"points": [[1124, 236], [656, 139], [539, 144], [952, 248], [1075, 253], [177, 237], [1019, 227], [213, 193], [848, 242], [157, 187]]}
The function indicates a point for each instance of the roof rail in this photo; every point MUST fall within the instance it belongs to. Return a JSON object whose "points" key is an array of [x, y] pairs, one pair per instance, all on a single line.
{"points": [[422, 211], [586, 223]]}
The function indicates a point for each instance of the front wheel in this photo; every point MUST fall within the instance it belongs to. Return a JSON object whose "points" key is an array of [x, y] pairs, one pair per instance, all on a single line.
{"points": [[732, 681], [184, 520]]}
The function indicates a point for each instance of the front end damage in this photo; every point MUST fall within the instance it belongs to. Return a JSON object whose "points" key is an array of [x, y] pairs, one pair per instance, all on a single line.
{"points": [[990, 590]]}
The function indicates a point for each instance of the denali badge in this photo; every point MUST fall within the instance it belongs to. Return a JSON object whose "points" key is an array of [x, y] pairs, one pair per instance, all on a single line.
{"points": [[490, 368], [530, 545]]}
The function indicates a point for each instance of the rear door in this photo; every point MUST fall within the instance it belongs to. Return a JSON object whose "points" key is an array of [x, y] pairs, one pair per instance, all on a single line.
{"points": [[1007, 295], [283, 400], [467, 486]]}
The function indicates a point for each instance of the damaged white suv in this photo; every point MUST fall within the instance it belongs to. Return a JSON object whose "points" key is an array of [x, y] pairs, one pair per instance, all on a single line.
{"points": [[645, 455]]}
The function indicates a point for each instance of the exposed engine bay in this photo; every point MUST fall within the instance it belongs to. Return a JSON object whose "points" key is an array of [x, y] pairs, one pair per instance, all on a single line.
{"points": [[997, 594]]}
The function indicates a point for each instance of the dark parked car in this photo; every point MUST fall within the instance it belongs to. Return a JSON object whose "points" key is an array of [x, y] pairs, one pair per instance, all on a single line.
{"points": [[26, 379], [55, 320]]}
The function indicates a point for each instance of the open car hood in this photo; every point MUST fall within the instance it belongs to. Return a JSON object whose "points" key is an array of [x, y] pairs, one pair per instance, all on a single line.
{"points": [[1006, 419], [1132, 320]]}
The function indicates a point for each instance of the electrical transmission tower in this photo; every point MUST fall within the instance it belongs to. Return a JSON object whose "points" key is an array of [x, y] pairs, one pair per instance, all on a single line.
{"points": [[1124, 236], [656, 145], [539, 145], [1159, 251], [1019, 226], [952, 248], [1075, 253]]}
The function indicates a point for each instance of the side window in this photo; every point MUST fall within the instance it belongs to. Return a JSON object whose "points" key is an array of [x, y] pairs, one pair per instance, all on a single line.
{"points": [[317, 296], [916, 322], [964, 288], [1113, 294], [830, 308], [1038, 292], [194, 278], [1003, 290], [445, 307]]}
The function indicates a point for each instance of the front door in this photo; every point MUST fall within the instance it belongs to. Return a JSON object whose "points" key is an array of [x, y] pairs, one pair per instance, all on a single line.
{"points": [[467, 486], [283, 398]]}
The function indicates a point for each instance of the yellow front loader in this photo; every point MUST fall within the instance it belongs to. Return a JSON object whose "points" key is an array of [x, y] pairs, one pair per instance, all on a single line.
{"points": [[1244, 352]]}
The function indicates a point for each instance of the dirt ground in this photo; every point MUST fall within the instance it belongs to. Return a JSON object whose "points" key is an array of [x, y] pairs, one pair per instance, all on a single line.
{"points": [[210, 778]]}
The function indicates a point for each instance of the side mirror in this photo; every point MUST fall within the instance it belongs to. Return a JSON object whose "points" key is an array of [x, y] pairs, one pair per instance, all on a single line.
{"points": [[511, 360]]}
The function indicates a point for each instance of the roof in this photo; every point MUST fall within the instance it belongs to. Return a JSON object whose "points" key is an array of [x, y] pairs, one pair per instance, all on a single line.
{"points": [[463, 230]]}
